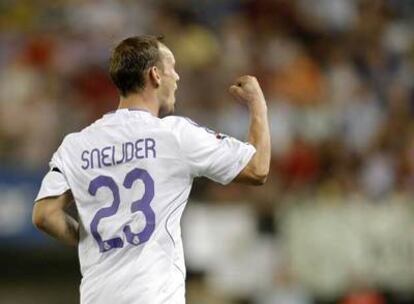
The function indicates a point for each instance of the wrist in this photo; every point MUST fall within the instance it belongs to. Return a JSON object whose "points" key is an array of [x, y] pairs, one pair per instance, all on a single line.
{"points": [[257, 106]]}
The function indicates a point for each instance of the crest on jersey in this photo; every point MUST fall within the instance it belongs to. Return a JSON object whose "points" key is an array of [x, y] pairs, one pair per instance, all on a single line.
{"points": [[216, 134], [208, 130], [220, 136]]}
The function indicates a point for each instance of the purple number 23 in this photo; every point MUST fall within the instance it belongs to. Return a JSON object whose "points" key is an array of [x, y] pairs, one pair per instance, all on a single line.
{"points": [[142, 205]]}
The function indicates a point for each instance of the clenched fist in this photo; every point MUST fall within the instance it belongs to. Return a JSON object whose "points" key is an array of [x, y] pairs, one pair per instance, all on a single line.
{"points": [[247, 90]]}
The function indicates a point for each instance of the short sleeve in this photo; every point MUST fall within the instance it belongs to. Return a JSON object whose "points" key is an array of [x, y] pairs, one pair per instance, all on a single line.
{"points": [[54, 182], [210, 154]]}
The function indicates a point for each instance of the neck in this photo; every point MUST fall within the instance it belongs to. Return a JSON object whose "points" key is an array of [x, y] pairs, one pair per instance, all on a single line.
{"points": [[143, 100]]}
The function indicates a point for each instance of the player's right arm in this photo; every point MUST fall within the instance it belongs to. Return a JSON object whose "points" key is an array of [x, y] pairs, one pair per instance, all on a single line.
{"points": [[247, 90], [49, 215], [54, 197]]}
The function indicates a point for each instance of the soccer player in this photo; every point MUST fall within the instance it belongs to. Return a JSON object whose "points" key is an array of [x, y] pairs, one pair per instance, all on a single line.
{"points": [[130, 174]]}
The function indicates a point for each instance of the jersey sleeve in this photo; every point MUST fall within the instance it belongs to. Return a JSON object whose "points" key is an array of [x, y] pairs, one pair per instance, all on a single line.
{"points": [[54, 182], [218, 157]]}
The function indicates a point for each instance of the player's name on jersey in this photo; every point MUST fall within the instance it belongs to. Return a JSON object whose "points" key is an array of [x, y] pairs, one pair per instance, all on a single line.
{"points": [[118, 154]]}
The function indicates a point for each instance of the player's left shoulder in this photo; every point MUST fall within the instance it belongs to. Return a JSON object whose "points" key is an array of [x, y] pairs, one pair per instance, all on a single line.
{"points": [[175, 123], [172, 120], [181, 122], [189, 126]]}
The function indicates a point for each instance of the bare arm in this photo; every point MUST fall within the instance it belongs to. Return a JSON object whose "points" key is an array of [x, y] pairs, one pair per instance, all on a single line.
{"points": [[247, 90], [50, 217]]}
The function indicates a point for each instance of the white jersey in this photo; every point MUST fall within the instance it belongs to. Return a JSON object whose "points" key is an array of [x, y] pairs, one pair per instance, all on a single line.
{"points": [[131, 174]]}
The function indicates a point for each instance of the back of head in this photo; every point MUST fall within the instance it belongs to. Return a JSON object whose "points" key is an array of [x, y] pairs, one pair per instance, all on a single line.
{"points": [[130, 59]]}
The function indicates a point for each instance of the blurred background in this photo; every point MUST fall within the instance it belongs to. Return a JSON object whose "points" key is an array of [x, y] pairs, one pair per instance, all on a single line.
{"points": [[335, 221]]}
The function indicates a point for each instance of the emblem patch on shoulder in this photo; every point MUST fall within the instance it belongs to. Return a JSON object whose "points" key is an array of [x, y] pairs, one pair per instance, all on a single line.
{"points": [[220, 136]]}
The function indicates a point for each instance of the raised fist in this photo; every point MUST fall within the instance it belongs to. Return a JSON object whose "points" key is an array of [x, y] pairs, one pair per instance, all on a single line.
{"points": [[247, 90]]}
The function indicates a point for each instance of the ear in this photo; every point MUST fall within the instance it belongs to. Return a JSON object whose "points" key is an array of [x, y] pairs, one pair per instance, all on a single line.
{"points": [[154, 76]]}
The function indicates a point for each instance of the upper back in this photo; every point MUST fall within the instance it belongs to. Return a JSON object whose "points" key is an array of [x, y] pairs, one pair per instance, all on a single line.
{"points": [[124, 168]]}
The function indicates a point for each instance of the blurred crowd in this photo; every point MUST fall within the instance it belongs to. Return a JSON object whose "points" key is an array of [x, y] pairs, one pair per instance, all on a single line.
{"points": [[338, 76]]}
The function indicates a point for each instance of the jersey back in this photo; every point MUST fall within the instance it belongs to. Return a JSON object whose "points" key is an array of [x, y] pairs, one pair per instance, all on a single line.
{"points": [[130, 174]]}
